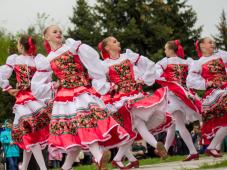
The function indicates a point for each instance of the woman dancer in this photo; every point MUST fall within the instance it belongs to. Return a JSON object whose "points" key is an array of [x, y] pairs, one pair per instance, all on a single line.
{"points": [[79, 118], [173, 71], [146, 113], [209, 74], [30, 127]]}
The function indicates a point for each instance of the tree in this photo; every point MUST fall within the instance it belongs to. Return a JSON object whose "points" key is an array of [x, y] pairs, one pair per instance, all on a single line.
{"points": [[146, 25], [221, 39], [182, 18], [84, 24]]}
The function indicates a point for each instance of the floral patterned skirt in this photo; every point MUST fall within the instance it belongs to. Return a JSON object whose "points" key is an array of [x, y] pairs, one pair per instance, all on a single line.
{"points": [[214, 112], [31, 122], [83, 121]]}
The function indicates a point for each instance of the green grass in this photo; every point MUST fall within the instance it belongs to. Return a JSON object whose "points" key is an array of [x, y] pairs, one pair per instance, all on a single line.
{"points": [[149, 161]]}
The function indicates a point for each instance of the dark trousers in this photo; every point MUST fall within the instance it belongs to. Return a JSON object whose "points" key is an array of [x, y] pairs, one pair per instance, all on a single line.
{"points": [[12, 163]]}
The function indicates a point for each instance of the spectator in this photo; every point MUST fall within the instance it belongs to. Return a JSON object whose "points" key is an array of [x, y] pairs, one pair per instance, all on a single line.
{"points": [[138, 150], [196, 136], [11, 150]]}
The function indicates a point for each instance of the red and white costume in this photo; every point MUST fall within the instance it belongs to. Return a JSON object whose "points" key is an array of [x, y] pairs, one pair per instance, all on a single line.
{"points": [[209, 74], [124, 73], [79, 117], [182, 103], [172, 73], [32, 116]]}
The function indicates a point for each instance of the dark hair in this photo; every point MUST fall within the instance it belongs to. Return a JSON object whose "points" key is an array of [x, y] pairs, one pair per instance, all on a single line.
{"points": [[28, 43], [172, 46]]}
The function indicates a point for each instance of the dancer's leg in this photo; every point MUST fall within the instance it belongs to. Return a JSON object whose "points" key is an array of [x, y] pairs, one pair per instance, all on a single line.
{"points": [[170, 137], [186, 136], [26, 159], [70, 158], [37, 152]]}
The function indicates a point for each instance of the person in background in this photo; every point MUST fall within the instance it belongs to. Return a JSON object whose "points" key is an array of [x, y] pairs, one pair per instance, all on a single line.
{"points": [[196, 136], [138, 150], [11, 150]]}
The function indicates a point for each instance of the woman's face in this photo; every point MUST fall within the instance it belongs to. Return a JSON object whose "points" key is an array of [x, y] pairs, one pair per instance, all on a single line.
{"points": [[113, 45], [54, 34], [207, 46], [169, 52]]}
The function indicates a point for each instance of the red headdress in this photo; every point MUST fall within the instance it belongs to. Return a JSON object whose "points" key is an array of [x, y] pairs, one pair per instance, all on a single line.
{"points": [[199, 52], [32, 49], [47, 46], [103, 52], [180, 50]]}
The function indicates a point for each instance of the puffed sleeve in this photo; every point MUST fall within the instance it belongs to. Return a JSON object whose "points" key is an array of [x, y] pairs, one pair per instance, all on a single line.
{"points": [[194, 79], [160, 66], [223, 55], [91, 60], [6, 71], [146, 68], [41, 83]]}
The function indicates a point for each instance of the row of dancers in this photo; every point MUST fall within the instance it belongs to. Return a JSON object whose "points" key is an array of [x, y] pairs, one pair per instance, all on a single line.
{"points": [[72, 100]]}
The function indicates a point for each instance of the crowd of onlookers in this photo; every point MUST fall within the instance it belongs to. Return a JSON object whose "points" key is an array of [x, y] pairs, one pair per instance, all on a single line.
{"points": [[140, 149]]}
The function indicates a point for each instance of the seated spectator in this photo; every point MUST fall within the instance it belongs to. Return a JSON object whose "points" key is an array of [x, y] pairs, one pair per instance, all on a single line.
{"points": [[196, 136], [138, 150]]}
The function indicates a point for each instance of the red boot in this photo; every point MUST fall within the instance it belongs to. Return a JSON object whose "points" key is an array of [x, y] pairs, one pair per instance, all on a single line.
{"points": [[191, 157], [209, 152]]}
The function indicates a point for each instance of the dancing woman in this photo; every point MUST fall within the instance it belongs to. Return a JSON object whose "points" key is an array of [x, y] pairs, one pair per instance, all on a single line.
{"points": [[79, 118], [123, 94], [172, 71], [31, 123], [209, 75]]}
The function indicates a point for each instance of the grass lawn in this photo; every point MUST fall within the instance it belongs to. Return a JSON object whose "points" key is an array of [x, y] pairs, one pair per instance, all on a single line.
{"points": [[149, 161]]}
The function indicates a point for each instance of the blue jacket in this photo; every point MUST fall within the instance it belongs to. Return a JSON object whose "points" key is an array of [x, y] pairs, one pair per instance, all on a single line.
{"points": [[5, 139]]}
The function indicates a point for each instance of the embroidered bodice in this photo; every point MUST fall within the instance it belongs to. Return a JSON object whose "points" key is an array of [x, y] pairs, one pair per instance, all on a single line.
{"points": [[70, 71], [176, 72], [24, 74], [214, 71], [122, 75]]}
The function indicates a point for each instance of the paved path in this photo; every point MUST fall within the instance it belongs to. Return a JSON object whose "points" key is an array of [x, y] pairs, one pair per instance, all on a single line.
{"points": [[179, 165]]}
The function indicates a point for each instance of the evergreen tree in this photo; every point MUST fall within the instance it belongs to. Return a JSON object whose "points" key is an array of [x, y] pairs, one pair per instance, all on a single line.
{"points": [[84, 24], [182, 18], [146, 25], [221, 39]]}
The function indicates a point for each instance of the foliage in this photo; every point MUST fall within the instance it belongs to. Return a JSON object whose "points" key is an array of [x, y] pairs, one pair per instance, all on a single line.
{"points": [[84, 24], [221, 38], [145, 26]]}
